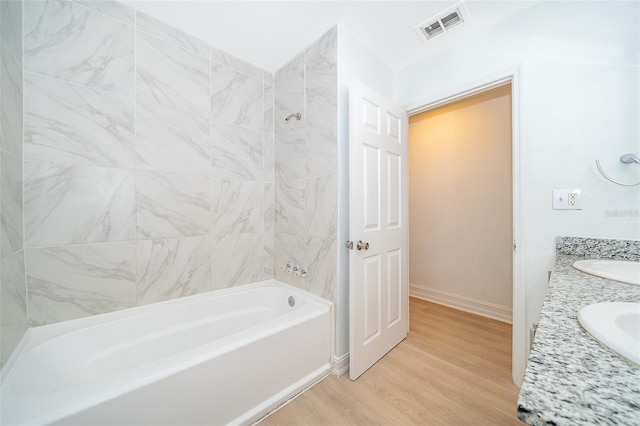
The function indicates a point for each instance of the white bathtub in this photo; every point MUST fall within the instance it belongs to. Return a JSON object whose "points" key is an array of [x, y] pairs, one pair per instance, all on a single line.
{"points": [[227, 357]]}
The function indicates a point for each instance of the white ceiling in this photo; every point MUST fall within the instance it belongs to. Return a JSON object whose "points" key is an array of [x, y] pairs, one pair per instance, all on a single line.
{"points": [[270, 33]]}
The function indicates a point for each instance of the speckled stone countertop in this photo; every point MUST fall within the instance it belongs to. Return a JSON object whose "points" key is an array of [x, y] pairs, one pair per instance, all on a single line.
{"points": [[571, 379]]}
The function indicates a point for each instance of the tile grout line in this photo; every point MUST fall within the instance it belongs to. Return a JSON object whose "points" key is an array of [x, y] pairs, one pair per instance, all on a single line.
{"points": [[135, 157], [75, 83], [264, 201], [24, 233], [107, 15], [210, 188]]}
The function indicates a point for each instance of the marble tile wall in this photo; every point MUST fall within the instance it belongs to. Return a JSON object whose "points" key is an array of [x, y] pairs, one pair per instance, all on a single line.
{"points": [[154, 166], [241, 172], [13, 302], [148, 163], [79, 160], [306, 167]]}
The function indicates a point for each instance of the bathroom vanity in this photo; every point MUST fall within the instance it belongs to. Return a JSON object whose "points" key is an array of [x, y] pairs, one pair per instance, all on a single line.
{"points": [[571, 378]]}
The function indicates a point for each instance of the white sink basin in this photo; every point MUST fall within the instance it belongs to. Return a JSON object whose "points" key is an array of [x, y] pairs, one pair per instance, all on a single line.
{"points": [[615, 325], [619, 270]]}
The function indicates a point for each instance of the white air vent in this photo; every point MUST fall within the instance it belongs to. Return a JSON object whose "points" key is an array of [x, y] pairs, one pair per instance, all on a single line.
{"points": [[442, 22]]}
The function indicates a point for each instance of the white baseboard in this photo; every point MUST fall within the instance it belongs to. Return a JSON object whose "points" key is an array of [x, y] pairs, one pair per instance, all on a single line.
{"points": [[478, 307], [340, 364]]}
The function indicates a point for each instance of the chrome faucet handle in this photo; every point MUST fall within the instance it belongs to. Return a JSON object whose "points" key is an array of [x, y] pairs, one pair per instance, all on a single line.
{"points": [[286, 266]]}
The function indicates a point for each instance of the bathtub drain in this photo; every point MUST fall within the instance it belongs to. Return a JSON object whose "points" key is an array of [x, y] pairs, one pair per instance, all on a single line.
{"points": [[292, 301]]}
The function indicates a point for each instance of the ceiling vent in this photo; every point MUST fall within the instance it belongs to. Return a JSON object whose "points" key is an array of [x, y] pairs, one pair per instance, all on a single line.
{"points": [[442, 22]]}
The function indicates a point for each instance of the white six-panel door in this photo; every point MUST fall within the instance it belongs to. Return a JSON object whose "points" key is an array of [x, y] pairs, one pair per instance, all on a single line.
{"points": [[378, 201]]}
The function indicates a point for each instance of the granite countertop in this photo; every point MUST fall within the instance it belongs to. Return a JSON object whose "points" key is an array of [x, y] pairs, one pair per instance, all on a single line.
{"points": [[571, 378]]}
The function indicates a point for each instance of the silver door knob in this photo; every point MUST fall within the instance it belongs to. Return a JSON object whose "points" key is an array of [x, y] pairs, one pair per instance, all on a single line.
{"points": [[362, 246]]}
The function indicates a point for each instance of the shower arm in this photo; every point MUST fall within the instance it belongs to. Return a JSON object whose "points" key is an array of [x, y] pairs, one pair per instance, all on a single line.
{"points": [[626, 159], [295, 115]]}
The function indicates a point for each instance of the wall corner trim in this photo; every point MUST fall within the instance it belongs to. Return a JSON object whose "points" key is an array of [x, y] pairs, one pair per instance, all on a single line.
{"points": [[340, 364]]}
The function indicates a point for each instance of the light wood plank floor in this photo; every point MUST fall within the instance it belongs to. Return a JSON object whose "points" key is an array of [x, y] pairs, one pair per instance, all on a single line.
{"points": [[454, 368]]}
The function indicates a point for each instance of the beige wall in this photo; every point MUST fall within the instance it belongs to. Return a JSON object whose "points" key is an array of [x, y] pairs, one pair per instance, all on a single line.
{"points": [[460, 202]]}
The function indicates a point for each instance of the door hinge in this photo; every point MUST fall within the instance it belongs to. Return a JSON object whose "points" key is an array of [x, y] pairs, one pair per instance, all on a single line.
{"points": [[515, 246]]}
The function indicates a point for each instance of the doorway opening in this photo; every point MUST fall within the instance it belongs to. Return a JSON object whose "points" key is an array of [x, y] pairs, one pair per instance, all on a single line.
{"points": [[463, 207]]}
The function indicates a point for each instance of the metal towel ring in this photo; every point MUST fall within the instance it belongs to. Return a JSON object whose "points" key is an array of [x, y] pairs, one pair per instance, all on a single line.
{"points": [[626, 159]]}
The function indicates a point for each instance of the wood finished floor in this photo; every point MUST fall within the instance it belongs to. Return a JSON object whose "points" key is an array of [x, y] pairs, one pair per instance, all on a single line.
{"points": [[454, 368]]}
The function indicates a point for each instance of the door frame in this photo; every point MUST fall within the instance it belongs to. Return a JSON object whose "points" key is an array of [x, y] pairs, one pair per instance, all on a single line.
{"points": [[519, 343]]}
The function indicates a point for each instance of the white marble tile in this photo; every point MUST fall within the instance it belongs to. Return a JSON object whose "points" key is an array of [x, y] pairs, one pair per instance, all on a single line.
{"points": [[11, 102], [172, 117], [10, 204], [172, 75], [236, 98], [268, 158], [77, 281], [290, 249], [172, 205], [77, 204], [70, 124], [269, 197], [113, 9], [268, 259], [322, 115], [236, 260], [221, 57], [268, 109], [327, 40], [172, 268], [290, 208], [289, 94], [321, 263], [321, 150], [159, 29], [11, 28], [70, 42], [322, 206], [13, 304], [170, 139], [289, 155], [236, 152], [236, 206]]}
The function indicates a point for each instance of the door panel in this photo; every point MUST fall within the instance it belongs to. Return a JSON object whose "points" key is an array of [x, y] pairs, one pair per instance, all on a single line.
{"points": [[372, 315], [394, 190], [394, 124], [370, 180], [371, 116], [378, 288], [394, 297]]}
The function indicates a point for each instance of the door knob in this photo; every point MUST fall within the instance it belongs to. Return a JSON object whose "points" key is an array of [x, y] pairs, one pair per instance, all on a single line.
{"points": [[362, 246]]}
